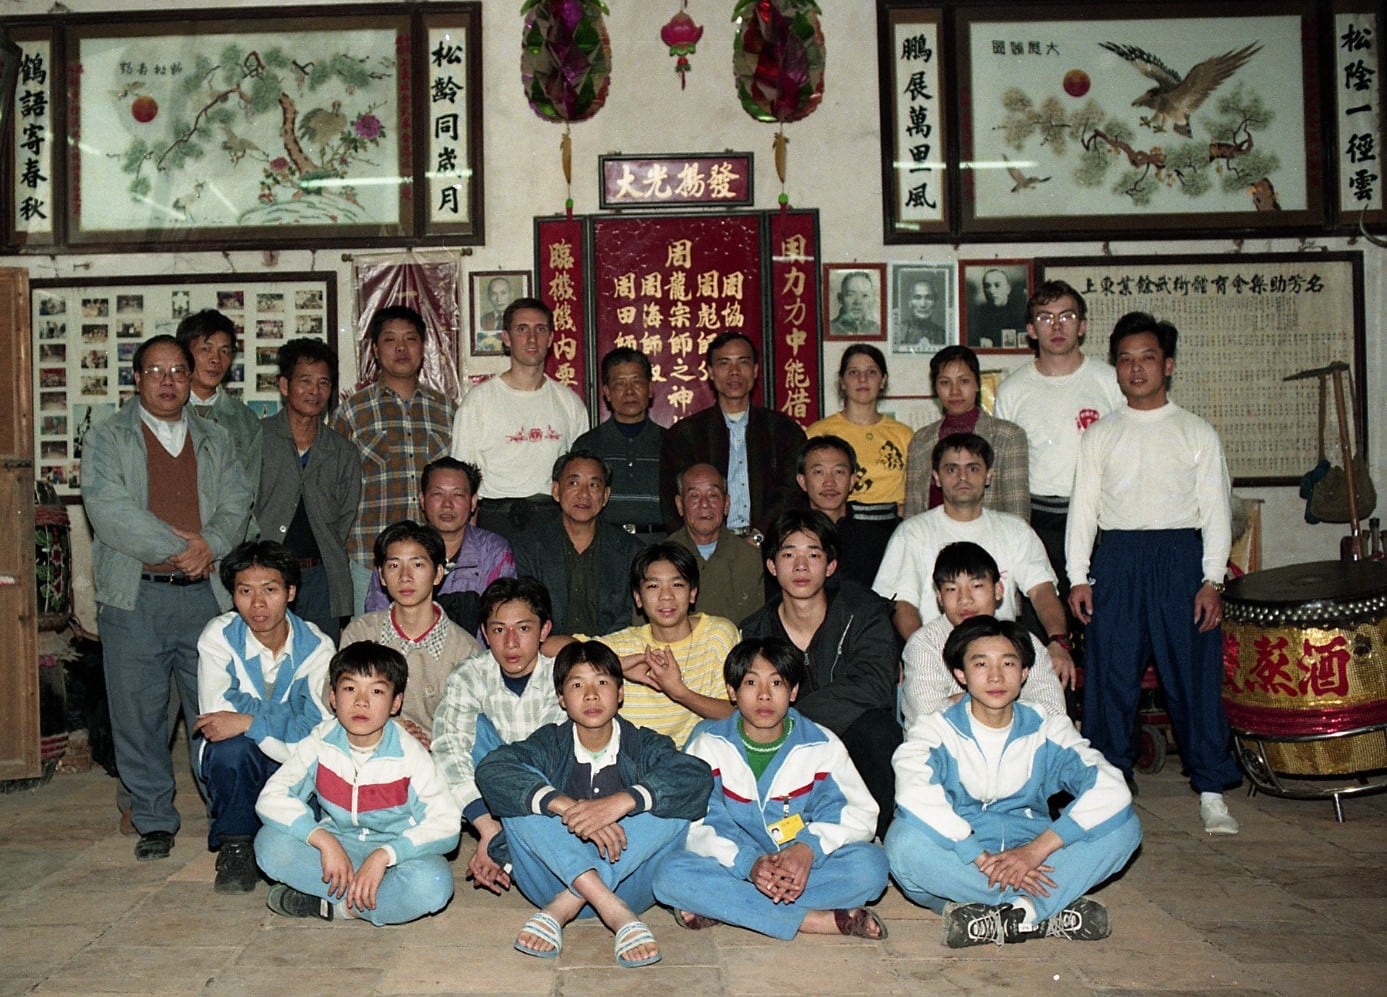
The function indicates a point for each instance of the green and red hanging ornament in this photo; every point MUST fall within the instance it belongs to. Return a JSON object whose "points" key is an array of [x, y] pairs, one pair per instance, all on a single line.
{"points": [[565, 65], [778, 61], [681, 34]]}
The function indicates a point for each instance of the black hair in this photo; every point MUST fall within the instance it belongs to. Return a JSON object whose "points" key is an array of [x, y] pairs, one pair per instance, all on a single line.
{"points": [[964, 559], [968, 442], [407, 530], [259, 554], [564, 460], [780, 654], [520, 303], [474, 474], [310, 350], [953, 354], [722, 339], [1050, 291], [683, 560], [367, 658], [206, 323], [978, 627], [624, 354], [1134, 323], [402, 313], [810, 521], [587, 652], [137, 361], [827, 442], [530, 591]]}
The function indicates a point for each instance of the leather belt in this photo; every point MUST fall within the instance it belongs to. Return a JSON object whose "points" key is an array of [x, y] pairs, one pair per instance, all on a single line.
{"points": [[178, 580]]}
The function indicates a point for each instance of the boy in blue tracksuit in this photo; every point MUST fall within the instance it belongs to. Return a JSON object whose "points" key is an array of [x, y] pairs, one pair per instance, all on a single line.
{"points": [[973, 837], [260, 670], [589, 806], [387, 818], [786, 846]]}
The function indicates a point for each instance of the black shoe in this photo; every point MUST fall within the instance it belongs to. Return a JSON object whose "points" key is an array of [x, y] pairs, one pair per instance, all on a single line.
{"points": [[1084, 920], [236, 872], [286, 900], [984, 924], [154, 845]]}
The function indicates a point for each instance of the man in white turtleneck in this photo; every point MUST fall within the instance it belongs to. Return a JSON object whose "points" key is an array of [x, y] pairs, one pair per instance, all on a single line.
{"points": [[1152, 477]]}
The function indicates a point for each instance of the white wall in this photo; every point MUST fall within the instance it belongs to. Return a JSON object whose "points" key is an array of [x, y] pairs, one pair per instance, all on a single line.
{"points": [[834, 166]]}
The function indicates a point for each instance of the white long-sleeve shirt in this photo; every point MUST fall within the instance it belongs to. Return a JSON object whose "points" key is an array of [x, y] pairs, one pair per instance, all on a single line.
{"points": [[1150, 469]]}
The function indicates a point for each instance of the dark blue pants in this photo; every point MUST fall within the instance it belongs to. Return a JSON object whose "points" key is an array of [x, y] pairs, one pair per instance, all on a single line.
{"points": [[235, 771], [1144, 584]]}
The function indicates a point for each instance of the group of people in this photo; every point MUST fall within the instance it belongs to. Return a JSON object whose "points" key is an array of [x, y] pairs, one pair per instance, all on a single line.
{"points": [[707, 665]]}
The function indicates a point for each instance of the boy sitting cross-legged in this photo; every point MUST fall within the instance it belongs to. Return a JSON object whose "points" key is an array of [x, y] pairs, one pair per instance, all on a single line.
{"points": [[410, 559], [973, 837], [967, 583], [589, 807], [499, 696], [260, 669], [786, 846], [387, 819]]}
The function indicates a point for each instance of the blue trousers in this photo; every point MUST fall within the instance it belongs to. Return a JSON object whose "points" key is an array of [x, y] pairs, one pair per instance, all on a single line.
{"points": [[931, 874], [142, 649], [409, 890], [1143, 608], [546, 859], [235, 770], [848, 877], [313, 602]]}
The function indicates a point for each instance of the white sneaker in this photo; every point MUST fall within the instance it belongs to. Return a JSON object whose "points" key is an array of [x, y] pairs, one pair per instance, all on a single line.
{"points": [[1214, 812]]}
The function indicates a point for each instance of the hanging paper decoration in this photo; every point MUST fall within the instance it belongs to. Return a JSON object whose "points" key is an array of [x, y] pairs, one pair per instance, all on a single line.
{"points": [[566, 62], [681, 34], [779, 58]]}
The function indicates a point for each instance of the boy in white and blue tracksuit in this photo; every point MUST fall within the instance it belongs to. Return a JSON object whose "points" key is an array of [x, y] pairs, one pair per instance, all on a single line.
{"points": [[968, 792], [382, 801], [766, 798]]}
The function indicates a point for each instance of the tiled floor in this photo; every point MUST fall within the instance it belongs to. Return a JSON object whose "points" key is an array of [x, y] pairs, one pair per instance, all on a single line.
{"points": [[1292, 905]]}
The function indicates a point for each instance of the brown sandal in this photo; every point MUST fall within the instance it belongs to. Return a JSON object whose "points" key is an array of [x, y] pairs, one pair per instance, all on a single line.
{"points": [[857, 922], [694, 922]]}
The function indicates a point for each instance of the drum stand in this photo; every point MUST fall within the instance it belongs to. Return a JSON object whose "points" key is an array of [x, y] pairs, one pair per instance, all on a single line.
{"points": [[1252, 753]]}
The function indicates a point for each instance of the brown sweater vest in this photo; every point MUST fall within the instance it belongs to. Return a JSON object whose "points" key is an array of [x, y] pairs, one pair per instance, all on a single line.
{"points": [[172, 488]]}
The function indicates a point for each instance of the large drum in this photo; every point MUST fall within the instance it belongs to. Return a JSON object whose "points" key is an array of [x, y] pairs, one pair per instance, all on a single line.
{"points": [[1305, 673]]}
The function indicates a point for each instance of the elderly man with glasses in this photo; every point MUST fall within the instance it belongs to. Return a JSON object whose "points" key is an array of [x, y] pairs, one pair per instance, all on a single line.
{"points": [[167, 498]]}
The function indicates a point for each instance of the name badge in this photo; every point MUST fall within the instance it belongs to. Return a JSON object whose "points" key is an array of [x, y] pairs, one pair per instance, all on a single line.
{"points": [[785, 830]]}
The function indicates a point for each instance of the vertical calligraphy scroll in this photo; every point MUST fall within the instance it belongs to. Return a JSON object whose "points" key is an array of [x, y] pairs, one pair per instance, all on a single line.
{"points": [[452, 132], [914, 124], [793, 365], [31, 207], [560, 270], [1357, 87]]}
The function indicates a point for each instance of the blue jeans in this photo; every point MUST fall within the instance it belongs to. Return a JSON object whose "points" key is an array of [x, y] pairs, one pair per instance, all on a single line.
{"points": [[235, 771], [409, 890]]}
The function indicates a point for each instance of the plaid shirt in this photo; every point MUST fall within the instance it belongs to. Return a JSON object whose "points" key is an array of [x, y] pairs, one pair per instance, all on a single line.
{"points": [[395, 438], [476, 688]]}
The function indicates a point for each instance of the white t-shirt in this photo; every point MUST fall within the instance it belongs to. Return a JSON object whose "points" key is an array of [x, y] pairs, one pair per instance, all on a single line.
{"points": [[514, 437], [1150, 469], [1054, 412], [907, 567]]}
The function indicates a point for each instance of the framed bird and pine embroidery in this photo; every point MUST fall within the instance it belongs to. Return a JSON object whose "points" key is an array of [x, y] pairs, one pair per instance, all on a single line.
{"points": [[275, 126], [1018, 121]]}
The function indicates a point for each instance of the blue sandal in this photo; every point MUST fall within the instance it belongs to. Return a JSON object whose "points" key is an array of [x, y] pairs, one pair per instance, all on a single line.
{"points": [[542, 925], [633, 936]]}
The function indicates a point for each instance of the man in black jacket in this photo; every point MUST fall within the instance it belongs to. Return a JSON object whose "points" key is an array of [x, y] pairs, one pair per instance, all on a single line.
{"points": [[852, 654]]}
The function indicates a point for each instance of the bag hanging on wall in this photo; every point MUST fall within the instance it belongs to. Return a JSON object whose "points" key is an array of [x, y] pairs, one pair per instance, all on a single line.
{"points": [[1316, 474], [1329, 500]]}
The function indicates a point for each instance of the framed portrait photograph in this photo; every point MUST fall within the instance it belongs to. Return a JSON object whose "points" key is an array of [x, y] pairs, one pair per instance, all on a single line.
{"points": [[854, 300], [922, 307], [491, 291], [993, 294]]}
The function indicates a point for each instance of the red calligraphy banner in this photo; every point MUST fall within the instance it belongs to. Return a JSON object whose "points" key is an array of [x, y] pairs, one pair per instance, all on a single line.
{"points": [[795, 347], [560, 269], [667, 286]]}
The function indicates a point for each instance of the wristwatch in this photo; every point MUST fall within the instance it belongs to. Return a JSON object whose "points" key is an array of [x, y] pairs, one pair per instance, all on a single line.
{"points": [[1062, 640]]}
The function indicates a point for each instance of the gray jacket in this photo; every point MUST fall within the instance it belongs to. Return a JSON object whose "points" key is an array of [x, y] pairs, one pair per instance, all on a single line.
{"points": [[115, 493], [330, 487]]}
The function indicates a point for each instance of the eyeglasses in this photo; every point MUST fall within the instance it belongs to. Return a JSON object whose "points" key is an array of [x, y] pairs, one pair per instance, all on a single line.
{"points": [[1046, 319], [178, 372]]}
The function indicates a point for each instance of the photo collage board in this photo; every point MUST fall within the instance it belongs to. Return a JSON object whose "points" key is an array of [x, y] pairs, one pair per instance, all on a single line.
{"points": [[85, 335]]}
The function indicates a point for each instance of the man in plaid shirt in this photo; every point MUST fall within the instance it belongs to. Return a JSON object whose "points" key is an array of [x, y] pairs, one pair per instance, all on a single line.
{"points": [[398, 426]]}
